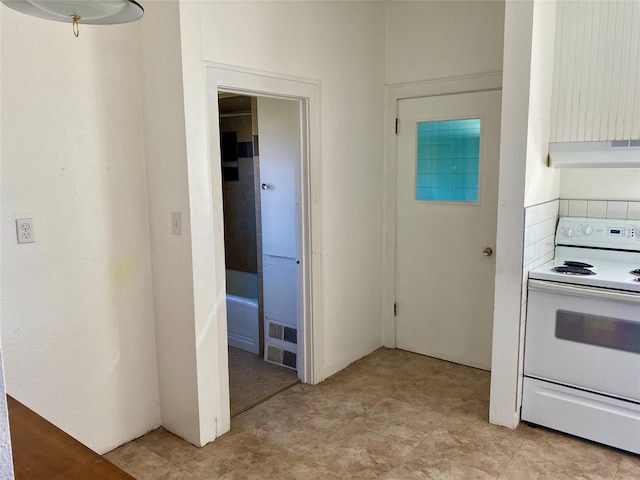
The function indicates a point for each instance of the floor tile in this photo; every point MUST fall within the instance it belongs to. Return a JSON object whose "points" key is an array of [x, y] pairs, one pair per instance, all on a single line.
{"points": [[446, 397], [251, 379], [362, 387], [424, 468], [264, 372], [472, 443], [240, 376], [240, 397], [263, 390], [178, 474], [356, 451], [629, 468], [548, 454], [401, 418], [139, 462], [392, 415], [235, 456], [313, 406], [294, 428], [303, 469], [240, 358], [168, 446]]}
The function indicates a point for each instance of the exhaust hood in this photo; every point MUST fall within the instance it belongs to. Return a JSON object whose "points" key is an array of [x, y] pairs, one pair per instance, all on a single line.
{"points": [[611, 154]]}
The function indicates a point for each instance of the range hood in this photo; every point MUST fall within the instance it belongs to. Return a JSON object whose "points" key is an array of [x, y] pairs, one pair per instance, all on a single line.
{"points": [[611, 154]]}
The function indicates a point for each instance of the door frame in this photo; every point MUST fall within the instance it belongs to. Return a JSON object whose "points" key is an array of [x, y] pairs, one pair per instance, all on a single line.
{"points": [[223, 78], [395, 93]]}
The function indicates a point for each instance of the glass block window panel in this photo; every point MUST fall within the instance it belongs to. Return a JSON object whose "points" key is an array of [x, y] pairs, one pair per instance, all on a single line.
{"points": [[448, 158]]}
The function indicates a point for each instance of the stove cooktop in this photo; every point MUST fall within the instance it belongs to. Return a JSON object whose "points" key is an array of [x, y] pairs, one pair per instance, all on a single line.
{"points": [[595, 252], [605, 275]]}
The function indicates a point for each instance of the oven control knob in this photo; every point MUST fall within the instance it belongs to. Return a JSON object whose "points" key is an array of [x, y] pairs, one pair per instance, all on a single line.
{"points": [[569, 232], [587, 229]]}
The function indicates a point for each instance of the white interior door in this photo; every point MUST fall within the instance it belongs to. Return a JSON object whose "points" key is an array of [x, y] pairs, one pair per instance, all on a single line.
{"points": [[279, 151], [447, 192]]}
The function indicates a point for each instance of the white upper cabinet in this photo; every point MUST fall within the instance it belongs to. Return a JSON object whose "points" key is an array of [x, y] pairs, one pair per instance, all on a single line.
{"points": [[596, 86]]}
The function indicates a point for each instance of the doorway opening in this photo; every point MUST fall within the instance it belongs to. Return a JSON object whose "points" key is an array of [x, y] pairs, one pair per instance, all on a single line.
{"points": [[260, 143]]}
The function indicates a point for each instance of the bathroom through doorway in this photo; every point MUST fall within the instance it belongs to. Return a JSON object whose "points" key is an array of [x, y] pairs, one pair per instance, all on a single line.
{"points": [[260, 142]]}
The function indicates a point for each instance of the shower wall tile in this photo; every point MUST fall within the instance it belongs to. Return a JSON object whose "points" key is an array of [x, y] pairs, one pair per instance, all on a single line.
{"points": [[247, 258], [245, 149], [246, 229], [246, 174], [240, 201]]}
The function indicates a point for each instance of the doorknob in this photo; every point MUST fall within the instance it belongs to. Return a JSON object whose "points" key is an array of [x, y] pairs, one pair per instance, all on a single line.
{"points": [[266, 186], [487, 252]]}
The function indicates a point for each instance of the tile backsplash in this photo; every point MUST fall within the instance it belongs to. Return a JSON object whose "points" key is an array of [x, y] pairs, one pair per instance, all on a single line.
{"points": [[600, 209], [539, 231], [539, 234]]}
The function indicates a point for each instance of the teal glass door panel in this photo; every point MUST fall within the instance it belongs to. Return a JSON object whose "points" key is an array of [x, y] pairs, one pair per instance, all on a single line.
{"points": [[448, 160]]}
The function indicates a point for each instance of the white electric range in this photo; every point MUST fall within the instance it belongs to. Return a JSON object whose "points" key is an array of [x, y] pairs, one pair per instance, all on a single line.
{"points": [[582, 340]]}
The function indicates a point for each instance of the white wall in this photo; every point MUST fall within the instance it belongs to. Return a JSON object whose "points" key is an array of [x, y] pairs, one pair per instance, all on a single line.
{"points": [[293, 39], [77, 314], [432, 40], [525, 180], [518, 31], [600, 184], [542, 182], [168, 191], [347, 59], [440, 39], [6, 459]]}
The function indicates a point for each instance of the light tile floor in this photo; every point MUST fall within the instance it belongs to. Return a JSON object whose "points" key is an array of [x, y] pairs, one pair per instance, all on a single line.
{"points": [[393, 415], [251, 379]]}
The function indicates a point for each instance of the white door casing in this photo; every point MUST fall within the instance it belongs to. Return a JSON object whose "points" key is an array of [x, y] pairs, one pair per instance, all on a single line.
{"points": [[444, 283]]}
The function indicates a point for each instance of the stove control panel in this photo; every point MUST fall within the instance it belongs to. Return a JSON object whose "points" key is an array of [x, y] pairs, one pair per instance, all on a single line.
{"points": [[599, 232], [621, 232]]}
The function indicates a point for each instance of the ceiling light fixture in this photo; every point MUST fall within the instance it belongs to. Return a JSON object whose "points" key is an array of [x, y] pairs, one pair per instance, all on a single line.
{"points": [[93, 12]]}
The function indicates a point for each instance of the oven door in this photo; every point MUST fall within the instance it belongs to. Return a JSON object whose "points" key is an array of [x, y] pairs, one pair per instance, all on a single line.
{"points": [[584, 337]]}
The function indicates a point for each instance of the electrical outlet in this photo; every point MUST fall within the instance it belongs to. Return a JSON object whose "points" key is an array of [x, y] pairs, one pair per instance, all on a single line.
{"points": [[24, 230]]}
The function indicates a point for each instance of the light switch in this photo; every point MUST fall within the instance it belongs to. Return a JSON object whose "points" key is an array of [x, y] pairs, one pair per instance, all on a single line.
{"points": [[176, 223]]}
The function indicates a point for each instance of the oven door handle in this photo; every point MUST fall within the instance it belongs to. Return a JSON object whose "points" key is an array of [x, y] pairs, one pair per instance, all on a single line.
{"points": [[579, 291]]}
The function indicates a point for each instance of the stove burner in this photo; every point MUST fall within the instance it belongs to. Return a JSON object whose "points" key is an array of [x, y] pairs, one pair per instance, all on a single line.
{"points": [[636, 272], [568, 270], [571, 263]]}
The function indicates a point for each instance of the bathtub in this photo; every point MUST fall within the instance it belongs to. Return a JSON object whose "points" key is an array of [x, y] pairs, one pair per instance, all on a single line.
{"points": [[242, 310]]}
